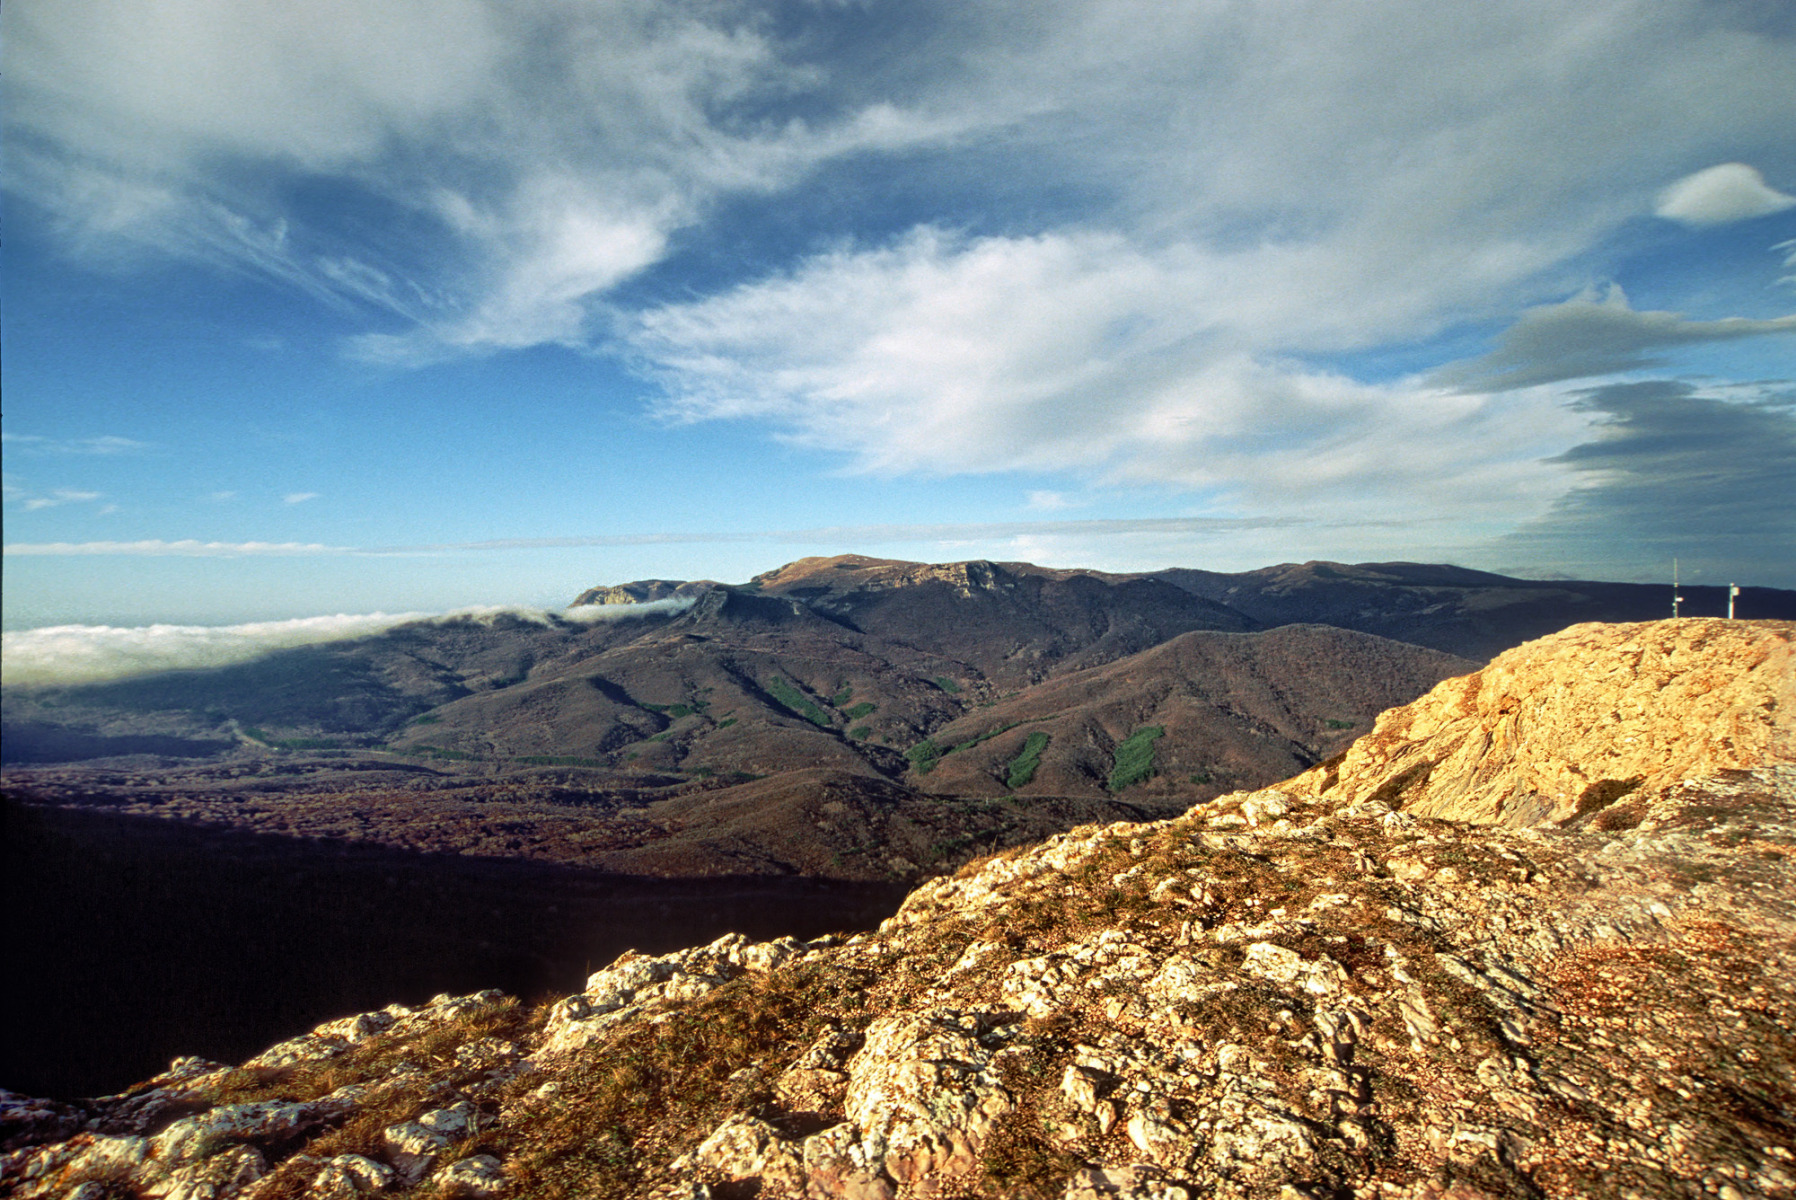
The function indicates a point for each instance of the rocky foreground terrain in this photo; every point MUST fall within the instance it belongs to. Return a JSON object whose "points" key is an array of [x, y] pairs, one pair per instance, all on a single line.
{"points": [[1535, 935]]}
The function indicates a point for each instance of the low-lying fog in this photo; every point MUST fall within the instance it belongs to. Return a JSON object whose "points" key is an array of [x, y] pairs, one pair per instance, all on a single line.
{"points": [[78, 654]]}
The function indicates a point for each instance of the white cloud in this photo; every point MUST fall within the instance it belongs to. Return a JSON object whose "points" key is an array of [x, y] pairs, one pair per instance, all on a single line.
{"points": [[944, 355], [1283, 187], [550, 148], [1346, 178], [104, 445], [60, 497], [184, 548], [1185, 208], [1721, 195], [74, 654], [78, 654], [299, 497]]}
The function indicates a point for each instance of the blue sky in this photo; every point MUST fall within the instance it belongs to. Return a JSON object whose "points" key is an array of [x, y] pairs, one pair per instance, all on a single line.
{"points": [[405, 306]]}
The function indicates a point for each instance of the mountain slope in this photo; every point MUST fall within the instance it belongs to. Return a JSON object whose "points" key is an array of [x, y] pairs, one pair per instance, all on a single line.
{"points": [[1014, 623], [1474, 614], [1232, 708], [1277, 994], [753, 736]]}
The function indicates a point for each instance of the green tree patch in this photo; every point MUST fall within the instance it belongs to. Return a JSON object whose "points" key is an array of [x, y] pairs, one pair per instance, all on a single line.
{"points": [[1022, 767], [1135, 757], [788, 695], [924, 755]]}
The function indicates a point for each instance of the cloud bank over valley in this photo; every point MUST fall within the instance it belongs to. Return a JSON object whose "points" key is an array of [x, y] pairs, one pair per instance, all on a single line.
{"points": [[67, 655]]}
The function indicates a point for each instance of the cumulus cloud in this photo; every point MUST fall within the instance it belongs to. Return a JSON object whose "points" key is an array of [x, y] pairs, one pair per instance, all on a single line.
{"points": [[1721, 195], [1175, 334], [64, 655], [1590, 336]]}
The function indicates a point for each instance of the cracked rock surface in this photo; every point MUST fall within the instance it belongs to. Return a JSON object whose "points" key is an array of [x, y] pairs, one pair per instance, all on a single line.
{"points": [[1325, 989]]}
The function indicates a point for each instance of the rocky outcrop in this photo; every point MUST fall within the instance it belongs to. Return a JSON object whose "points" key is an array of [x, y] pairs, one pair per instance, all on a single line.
{"points": [[1292, 992], [1572, 723], [643, 591]]}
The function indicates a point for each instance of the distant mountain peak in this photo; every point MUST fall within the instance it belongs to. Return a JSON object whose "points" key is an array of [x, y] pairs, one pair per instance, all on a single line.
{"points": [[643, 591]]}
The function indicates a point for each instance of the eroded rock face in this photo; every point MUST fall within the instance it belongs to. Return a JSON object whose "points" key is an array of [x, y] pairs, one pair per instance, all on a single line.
{"points": [[1571, 723], [1297, 992]]}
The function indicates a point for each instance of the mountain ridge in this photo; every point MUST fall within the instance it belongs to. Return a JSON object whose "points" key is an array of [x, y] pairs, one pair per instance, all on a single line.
{"points": [[826, 675]]}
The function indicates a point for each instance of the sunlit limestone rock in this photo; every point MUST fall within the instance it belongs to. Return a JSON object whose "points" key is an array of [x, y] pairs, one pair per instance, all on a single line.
{"points": [[349, 1175], [413, 1146], [925, 1090], [621, 990], [193, 1138], [473, 1178], [1575, 721], [745, 1147]]}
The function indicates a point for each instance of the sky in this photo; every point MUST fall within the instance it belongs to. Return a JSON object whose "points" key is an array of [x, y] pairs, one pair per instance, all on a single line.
{"points": [[411, 305]]}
